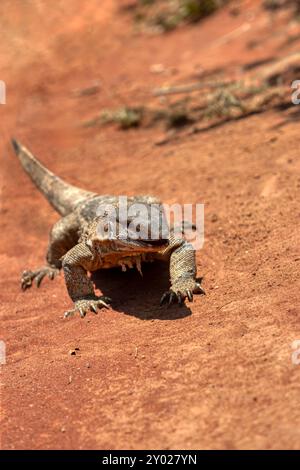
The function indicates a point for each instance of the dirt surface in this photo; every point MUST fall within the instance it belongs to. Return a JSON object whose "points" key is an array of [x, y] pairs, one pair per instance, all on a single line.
{"points": [[216, 374]]}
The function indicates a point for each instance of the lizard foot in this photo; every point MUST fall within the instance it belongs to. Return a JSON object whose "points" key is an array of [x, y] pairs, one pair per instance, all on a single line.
{"points": [[84, 305], [184, 288], [28, 276]]}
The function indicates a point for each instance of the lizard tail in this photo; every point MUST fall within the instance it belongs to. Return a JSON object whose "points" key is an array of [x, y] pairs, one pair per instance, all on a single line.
{"points": [[62, 196]]}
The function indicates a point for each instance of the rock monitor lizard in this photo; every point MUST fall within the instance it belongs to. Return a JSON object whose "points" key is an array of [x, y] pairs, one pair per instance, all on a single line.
{"points": [[82, 242]]}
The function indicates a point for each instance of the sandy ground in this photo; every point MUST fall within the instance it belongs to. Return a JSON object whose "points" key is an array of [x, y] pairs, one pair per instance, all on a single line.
{"points": [[216, 374]]}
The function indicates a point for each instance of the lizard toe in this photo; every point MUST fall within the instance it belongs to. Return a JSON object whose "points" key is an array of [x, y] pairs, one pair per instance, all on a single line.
{"points": [[171, 297], [164, 298], [26, 279], [39, 277], [52, 273], [189, 295], [82, 312], [198, 289], [94, 308], [89, 304], [69, 313], [180, 299]]}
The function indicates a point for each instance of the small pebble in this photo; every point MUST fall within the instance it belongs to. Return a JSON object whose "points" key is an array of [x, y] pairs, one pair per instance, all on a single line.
{"points": [[157, 68], [73, 352]]}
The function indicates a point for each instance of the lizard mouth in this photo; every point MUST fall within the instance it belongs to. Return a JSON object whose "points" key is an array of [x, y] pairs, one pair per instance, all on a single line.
{"points": [[141, 245], [130, 254]]}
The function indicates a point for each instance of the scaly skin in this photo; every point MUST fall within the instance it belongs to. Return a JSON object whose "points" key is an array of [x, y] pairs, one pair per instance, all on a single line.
{"points": [[76, 246]]}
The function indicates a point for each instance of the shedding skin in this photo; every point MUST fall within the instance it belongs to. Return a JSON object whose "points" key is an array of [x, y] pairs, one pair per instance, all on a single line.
{"points": [[77, 246]]}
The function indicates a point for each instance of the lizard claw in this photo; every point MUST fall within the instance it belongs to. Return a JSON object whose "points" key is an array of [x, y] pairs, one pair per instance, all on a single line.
{"points": [[84, 305], [171, 297], [181, 291], [190, 295], [38, 275], [199, 290], [26, 279]]}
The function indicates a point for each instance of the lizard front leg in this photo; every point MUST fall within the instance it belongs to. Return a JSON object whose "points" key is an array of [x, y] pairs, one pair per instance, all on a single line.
{"points": [[76, 263], [182, 274], [63, 236]]}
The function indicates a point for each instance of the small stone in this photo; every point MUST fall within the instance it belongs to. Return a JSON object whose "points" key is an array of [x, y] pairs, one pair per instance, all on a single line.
{"points": [[162, 140], [73, 352], [157, 68]]}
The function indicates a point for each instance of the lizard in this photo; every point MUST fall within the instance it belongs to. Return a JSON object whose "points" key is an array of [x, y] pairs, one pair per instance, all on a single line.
{"points": [[82, 241]]}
